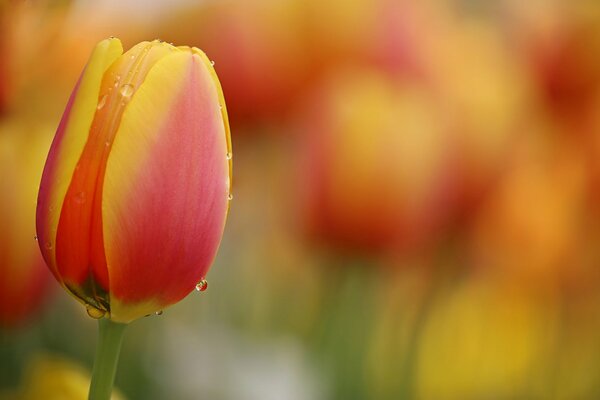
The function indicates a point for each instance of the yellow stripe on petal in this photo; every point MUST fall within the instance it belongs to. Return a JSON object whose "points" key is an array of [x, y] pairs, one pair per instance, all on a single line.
{"points": [[210, 66], [69, 144]]}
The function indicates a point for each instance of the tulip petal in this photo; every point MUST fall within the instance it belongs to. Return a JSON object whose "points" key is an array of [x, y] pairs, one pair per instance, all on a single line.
{"points": [[68, 145], [164, 218], [79, 246]]}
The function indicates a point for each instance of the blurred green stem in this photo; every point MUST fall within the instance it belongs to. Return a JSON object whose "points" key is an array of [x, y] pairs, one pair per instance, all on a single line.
{"points": [[107, 356]]}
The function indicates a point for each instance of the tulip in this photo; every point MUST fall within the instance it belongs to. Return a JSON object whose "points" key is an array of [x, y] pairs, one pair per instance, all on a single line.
{"points": [[528, 230], [52, 377], [135, 191], [259, 49], [134, 194], [25, 279], [373, 162]]}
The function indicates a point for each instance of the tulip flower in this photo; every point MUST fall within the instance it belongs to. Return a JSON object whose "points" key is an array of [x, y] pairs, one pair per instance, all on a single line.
{"points": [[25, 279], [135, 191], [259, 49], [373, 163]]}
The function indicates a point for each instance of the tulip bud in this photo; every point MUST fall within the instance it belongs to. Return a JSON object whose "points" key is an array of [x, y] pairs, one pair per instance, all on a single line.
{"points": [[135, 191]]}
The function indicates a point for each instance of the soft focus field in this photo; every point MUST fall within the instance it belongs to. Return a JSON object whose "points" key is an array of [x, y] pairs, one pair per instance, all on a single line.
{"points": [[416, 202]]}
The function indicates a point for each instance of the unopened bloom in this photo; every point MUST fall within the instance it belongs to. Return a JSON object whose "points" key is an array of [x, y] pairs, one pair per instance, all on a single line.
{"points": [[135, 191]]}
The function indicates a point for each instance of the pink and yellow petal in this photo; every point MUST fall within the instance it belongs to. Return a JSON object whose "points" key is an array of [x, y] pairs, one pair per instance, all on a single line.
{"points": [[68, 145], [83, 266], [164, 218]]}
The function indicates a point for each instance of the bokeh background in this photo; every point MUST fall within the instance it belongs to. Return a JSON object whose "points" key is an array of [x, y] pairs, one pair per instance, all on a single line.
{"points": [[415, 210]]}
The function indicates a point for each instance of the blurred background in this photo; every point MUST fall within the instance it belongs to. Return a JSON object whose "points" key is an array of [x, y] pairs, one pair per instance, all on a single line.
{"points": [[415, 210]]}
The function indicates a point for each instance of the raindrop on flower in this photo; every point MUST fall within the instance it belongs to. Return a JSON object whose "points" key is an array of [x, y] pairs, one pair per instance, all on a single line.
{"points": [[160, 312], [36, 238], [212, 63], [229, 197], [101, 102], [202, 285], [126, 90], [228, 155], [79, 198], [94, 312]]}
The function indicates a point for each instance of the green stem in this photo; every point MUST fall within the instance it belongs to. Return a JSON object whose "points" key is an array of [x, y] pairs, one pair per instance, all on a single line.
{"points": [[107, 356]]}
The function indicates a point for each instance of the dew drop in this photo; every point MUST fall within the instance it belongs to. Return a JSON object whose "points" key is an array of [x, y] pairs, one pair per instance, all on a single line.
{"points": [[229, 197], [48, 245], [94, 312], [107, 143], [126, 90], [212, 62], [160, 312], [36, 238], [228, 155], [132, 56], [101, 102], [79, 198], [202, 285]]}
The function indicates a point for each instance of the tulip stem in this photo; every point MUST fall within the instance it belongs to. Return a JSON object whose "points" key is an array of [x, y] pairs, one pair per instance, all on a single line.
{"points": [[107, 356]]}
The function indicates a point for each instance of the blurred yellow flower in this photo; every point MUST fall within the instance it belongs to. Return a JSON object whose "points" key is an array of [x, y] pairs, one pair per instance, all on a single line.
{"points": [[52, 377]]}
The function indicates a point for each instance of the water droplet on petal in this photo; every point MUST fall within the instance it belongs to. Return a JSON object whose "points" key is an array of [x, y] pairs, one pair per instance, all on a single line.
{"points": [[228, 155], [101, 102], [202, 285], [48, 245], [160, 312], [230, 197], [36, 238], [212, 62], [79, 198], [126, 90], [94, 312], [107, 143]]}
